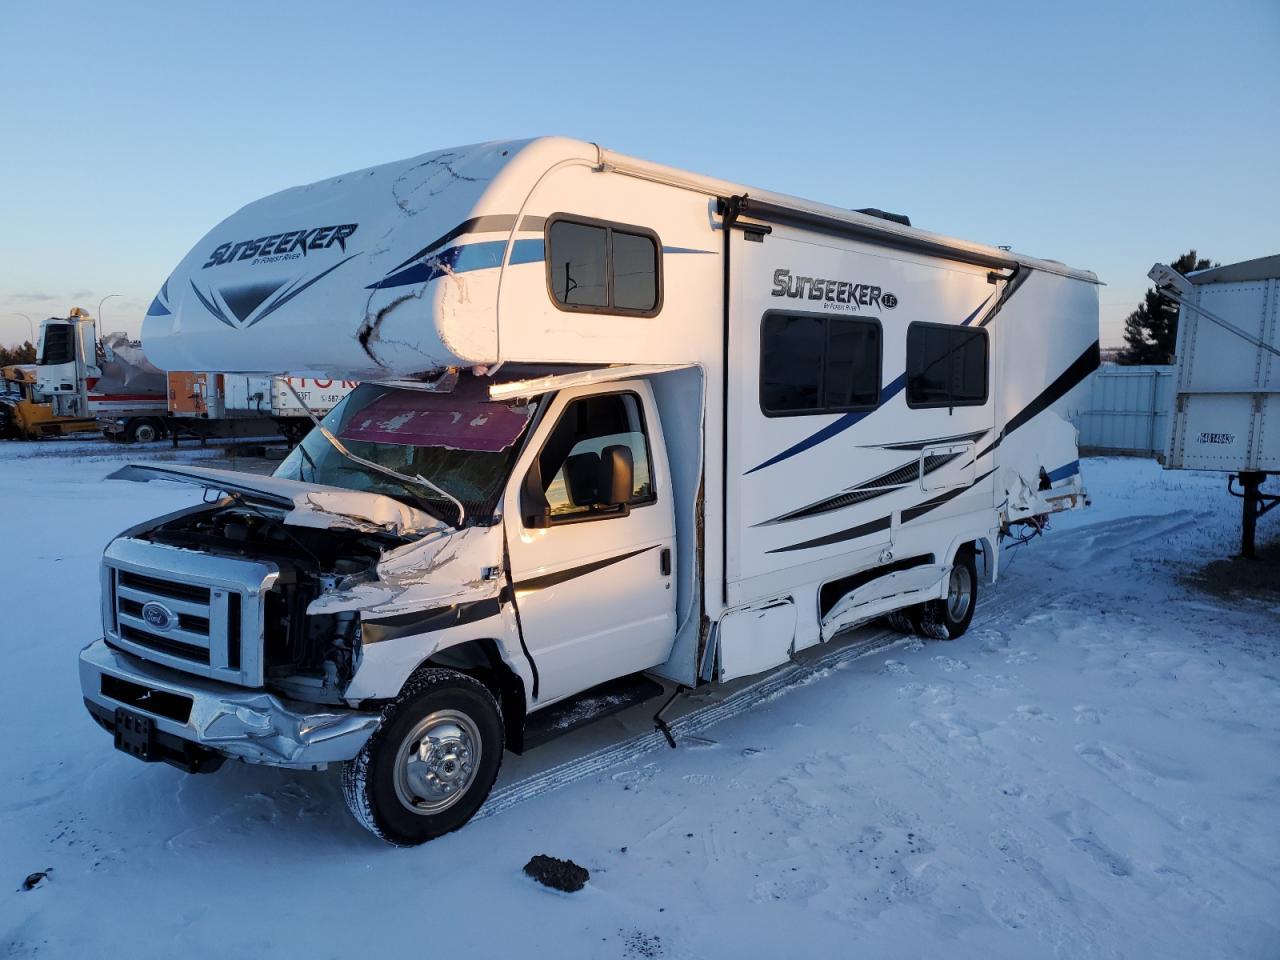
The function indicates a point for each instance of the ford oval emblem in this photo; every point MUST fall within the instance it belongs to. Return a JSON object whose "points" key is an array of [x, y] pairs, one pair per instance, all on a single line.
{"points": [[158, 616]]}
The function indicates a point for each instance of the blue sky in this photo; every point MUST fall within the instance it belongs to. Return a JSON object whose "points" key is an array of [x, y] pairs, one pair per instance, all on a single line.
{"points": [[1106, 135]]}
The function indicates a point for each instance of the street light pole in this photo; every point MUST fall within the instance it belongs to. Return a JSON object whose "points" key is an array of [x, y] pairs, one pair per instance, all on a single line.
{"points": [[31, 329], [100, 303]]}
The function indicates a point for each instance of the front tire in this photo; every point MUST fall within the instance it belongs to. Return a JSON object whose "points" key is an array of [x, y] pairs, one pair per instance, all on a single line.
{"points": [[431, 763], [950, 617]]}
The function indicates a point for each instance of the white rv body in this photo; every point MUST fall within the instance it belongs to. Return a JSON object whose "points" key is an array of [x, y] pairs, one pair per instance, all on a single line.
{"points": [[763, 525]]}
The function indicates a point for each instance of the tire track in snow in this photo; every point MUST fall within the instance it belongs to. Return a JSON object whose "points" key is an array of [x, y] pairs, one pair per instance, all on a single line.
{"points": [[768, 688]]}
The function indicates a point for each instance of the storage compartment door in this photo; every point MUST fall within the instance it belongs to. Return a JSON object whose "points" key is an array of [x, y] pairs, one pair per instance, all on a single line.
{"points": [[756, 638]]}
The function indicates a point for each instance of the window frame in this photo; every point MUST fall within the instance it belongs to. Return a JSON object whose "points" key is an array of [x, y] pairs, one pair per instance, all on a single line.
{"points": [[952, 402], [826, 340], [589, 517], [609, 226]]}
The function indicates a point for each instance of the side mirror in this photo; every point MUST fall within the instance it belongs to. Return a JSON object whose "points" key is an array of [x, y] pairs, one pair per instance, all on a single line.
{"points": [[617, 476], [534, 508]]}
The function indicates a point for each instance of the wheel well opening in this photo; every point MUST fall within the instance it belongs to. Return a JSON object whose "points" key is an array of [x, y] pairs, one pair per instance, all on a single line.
{"points": [[830, 593], [481, 659]]}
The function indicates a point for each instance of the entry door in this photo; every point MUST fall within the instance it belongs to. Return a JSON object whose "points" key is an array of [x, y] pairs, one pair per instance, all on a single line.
{"points": [[594, 587]]}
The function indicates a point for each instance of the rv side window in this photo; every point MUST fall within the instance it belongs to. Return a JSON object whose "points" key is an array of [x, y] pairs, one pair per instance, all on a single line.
{"points": [[570, 461], [946, 366], [601, 267], [811, 363]]}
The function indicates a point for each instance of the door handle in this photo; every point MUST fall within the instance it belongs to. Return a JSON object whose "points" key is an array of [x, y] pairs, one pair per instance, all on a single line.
{"points": [[664, 561]]}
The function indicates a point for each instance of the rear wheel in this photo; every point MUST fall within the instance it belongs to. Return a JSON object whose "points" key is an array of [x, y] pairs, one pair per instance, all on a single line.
{"points": [[142, 431], [949, 617], [431, 764]]}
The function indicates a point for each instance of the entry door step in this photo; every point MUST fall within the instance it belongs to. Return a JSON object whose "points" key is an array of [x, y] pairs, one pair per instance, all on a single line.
{"points": [[589, 706]]}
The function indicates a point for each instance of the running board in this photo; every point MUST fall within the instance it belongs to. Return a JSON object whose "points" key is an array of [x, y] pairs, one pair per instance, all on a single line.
{"points": [[587, 707], [884, 594]]}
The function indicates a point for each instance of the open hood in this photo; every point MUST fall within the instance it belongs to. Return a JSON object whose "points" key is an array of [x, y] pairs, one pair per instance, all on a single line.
{"points": [[306, 504], [384, 272]]}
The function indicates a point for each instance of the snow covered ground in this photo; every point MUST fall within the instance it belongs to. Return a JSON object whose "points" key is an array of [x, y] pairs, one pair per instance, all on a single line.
{"points": [[1093, 771]]}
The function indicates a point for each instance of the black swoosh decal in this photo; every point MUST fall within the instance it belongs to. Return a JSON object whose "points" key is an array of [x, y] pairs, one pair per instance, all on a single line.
{"points": [[921, 444], [921, 509], [869, 490], [1080, 368], [852, 533], [425, 621], [560, 576], [288, 295]]}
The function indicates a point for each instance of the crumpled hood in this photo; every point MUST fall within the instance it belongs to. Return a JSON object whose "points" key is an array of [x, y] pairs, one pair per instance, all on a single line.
{"points": [[307, 504]]}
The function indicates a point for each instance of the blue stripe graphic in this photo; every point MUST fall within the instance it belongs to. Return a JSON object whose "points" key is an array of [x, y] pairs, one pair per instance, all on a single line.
{"points": [[527, 251], [476, 256], [836, 427], [459, 259], [1064, 471]]}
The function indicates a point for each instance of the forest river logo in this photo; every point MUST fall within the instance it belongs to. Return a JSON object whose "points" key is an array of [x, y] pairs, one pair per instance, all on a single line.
{"points": [[836, 292]]}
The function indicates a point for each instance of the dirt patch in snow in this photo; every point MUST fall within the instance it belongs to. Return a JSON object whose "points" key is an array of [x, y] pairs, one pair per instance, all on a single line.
{"points": [[557, 874], [1234, 577]]}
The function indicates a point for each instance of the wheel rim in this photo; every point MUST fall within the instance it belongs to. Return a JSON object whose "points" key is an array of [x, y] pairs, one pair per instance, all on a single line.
{"points": [[437, 762], [959, 593], [145, 434]]}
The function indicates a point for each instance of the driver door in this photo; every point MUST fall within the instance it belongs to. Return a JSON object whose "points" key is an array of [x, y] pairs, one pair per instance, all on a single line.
{"points": [[593, 581]]}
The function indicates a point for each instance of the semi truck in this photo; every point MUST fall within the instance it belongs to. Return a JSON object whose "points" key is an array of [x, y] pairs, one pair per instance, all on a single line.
{"points": [[108, 380], [618, 423]]}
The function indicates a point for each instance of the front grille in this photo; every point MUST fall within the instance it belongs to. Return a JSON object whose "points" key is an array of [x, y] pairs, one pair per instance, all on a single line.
{"points": [[187, 610], [165, 588], [188, 607], [175, 648]]}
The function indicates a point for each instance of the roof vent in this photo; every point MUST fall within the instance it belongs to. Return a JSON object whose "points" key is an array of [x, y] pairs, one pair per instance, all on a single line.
{"points": [[901, 218]]}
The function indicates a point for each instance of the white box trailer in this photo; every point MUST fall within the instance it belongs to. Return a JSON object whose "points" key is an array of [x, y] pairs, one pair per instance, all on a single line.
{"points": [[1226, 412], [616, 420]]}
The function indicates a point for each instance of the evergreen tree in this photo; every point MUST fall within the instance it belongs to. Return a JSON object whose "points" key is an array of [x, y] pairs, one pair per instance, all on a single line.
{"points": [[1151, 331], [23, 354]]}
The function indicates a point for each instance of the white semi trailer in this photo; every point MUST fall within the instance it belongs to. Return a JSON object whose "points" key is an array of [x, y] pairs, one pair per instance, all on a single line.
{"points": [[617, 421], [1227, 394]]}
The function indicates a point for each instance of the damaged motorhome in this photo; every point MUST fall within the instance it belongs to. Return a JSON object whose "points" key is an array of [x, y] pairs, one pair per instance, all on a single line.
{"points": [[615, 421]]}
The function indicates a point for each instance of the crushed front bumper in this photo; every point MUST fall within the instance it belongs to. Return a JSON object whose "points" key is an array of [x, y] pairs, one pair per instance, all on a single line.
{"points": [[192, 716]]}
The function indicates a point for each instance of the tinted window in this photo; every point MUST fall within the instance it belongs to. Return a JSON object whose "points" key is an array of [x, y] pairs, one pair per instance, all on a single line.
{"points": [[570, 461], [577, 263], [603, 269], [946, 366], [815, 364], [635, 272], [59, 345]]}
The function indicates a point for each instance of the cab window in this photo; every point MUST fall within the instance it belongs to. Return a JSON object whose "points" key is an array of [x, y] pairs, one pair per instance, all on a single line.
{"points": [[571, 461]]}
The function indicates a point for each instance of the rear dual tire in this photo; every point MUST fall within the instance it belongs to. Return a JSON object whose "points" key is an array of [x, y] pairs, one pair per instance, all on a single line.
{"points": [[950, 616]]}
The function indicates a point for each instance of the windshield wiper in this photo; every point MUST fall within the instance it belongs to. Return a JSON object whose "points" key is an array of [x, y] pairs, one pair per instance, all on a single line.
{"points": [[371, 465]]}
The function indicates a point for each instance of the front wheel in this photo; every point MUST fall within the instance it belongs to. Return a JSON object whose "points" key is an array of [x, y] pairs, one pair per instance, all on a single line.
{"points": [[949, 617], [430, 765]]}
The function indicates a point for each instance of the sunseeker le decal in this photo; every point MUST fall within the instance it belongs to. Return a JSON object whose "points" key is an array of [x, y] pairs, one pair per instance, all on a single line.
{"points": [[844, 292]]}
